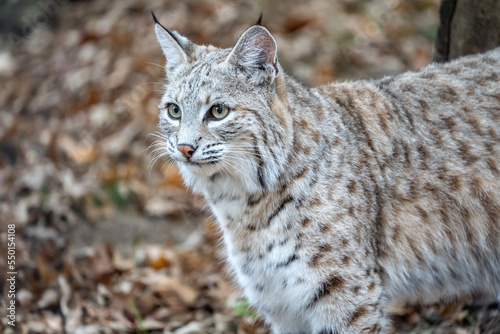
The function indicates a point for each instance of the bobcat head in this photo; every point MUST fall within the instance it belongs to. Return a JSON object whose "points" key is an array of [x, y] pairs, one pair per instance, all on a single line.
{"points": [[223, 111]]}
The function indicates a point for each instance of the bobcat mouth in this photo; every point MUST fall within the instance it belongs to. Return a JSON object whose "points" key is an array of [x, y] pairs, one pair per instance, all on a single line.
{"points": [[201, 168], [199, 164], [203, 162]]}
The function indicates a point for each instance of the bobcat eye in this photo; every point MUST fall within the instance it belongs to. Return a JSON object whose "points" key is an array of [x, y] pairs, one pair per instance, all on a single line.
{"points": [[218, 112], [174, 111]]}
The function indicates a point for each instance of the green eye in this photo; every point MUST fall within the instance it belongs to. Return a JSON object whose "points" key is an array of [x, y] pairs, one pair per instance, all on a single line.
{"points": [[174, 111], [219, 112]]}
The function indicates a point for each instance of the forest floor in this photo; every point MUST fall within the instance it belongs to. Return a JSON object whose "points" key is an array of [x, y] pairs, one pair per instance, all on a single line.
{"points": [[105, 240]]}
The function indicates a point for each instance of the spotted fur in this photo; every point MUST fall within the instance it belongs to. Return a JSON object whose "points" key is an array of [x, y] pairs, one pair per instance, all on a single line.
{"points": [[335, 200]]}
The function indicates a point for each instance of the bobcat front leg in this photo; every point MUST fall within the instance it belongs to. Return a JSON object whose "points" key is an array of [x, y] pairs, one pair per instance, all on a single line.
{"points": [[354, 308], [366, 319]]}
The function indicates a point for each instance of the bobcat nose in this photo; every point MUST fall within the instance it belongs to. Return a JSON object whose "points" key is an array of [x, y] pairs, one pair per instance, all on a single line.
{"points": [[186, 150]]}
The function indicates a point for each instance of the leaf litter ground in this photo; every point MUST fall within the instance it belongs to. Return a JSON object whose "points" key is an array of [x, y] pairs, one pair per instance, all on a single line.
{"points": [[108, 242]]}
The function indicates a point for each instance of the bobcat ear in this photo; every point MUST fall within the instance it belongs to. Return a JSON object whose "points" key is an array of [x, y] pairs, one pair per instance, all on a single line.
{"points": [[256, 51], [175, 47]]}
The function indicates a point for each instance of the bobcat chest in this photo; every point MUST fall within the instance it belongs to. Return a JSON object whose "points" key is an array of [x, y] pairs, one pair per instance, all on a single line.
{"points": [[268, 260], [271, 282]]}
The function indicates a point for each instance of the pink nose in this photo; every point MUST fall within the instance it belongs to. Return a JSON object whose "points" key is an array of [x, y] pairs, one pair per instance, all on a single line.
{"points": [[186, 150]]}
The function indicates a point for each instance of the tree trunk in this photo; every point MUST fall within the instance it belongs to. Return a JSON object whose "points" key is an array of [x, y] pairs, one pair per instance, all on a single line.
{"points": [[467, 27]]}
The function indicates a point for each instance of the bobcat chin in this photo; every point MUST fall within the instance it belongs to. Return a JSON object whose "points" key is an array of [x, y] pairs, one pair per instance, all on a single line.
{"points": [[336, 200]]}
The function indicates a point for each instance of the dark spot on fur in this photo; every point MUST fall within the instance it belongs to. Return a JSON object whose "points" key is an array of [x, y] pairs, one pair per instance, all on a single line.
{"points": [[280, 207], [350, 211], [492, 165], [352, 186], [359, 313], [300, 173], [492, 209], [423, 214], [306, 221], [476, 187], [493, 134], [396, 233], [414, 189], [253, 200], [252, 228], [260, 174], [298, 246], [314, 261], [466, 154], [316, 201], [331, 284], [284, 241], [325, 248], [270, 247], [375, 329], [450, 123], [323, 228], [455, 183], [288, 261]]}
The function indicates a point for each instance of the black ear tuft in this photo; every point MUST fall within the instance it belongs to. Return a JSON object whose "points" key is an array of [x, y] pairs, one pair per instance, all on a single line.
{"points": [[158, 22], [154, 17], [259, 21]]}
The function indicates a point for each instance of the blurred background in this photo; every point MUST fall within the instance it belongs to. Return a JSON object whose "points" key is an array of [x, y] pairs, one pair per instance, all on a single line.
{"points": [[106, 240]]}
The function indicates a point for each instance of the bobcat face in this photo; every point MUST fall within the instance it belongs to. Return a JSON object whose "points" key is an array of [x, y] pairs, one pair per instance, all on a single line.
{"points": [[198, 117], [208, 127], [214, 104]]}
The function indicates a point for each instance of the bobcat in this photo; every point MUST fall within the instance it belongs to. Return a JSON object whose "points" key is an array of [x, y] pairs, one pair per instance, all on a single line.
{"points": [[335, 200]]}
